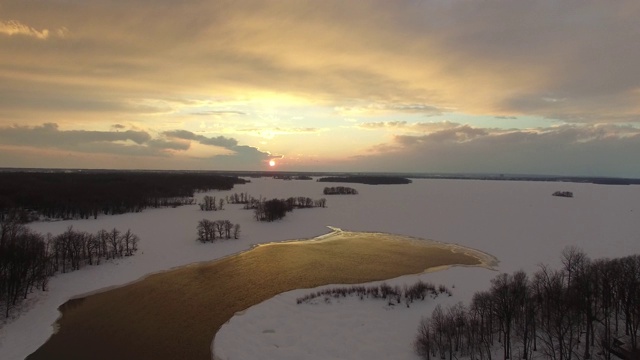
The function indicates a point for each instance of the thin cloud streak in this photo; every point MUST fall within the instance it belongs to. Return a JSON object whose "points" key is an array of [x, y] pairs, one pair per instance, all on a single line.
{"points": [[16, 28], [406, 126]]}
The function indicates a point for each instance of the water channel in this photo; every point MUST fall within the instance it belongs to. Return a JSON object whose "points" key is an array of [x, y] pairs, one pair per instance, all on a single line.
{"points": [[176, 314]]}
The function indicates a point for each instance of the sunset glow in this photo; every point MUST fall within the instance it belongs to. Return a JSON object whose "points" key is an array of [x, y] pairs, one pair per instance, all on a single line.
{"points": [[530, 87]]}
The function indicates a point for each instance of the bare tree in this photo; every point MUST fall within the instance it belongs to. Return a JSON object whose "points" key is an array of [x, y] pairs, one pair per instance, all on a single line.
{"points": [[209, 230], [219, 226], [206, 231], [423, 343], [504, 308], [438, 328], [482, 308], [227, 228], [559, 315], [130, 242], [115, 243], [28, 259]]}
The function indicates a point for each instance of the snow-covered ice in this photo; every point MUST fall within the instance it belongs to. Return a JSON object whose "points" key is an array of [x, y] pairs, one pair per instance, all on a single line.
{"points": [[518, 222]]}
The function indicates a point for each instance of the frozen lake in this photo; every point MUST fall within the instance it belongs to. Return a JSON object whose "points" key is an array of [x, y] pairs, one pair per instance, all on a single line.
{"points": [[518, 222]]}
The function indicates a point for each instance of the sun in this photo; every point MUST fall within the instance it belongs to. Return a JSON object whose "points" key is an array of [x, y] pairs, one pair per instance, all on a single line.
{"points": [[272, 163]]}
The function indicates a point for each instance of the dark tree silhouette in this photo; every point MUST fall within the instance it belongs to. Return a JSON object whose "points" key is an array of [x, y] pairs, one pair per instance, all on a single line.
{"points": [[339, 190], [28, 259], [80, 195], [210, 231], [209, 203], [370, 180], [560, 314]]}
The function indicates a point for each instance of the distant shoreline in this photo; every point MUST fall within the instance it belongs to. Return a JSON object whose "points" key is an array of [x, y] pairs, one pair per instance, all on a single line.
{"points": [[600, 180]]}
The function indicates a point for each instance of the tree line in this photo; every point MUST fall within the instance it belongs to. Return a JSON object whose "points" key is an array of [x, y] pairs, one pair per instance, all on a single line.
{"points": [[395, 295], [587, 307], [28, 259], [339, 190], [292, 177], [80, 195], [210, 231], [369, 180]]}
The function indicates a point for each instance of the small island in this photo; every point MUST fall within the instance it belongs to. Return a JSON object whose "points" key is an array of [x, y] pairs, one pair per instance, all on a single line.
{"points": [[339, 190], [567, 194]]}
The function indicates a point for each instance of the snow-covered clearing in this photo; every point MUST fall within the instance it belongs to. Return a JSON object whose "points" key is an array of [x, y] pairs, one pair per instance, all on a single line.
{"points": [[518, 222]]}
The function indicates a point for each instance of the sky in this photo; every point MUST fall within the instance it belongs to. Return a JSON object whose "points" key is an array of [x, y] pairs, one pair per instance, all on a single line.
{"points": [[429, 86]]}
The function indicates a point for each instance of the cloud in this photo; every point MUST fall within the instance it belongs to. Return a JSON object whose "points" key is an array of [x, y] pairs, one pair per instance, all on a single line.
{"points": [[423, 127], [381, 63], [169, 145], [250, 153], [73, 99], [214, 141], [49, 135], [218, 113], [425, 57], [221, 141], [271, 132], [181, 134], [458, 134], [383, 124], [128, 143], [240, 153], [564, 150], [389, 108], [14, 27]]}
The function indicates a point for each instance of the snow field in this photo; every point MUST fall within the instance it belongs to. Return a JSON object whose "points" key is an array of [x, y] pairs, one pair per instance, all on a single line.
{"points": [[518, 222]]}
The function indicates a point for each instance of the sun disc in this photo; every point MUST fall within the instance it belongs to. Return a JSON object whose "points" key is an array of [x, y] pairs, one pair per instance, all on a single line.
{"points": [[272, 163]]}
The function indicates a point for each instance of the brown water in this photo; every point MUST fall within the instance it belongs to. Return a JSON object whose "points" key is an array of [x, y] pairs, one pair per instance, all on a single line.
{"points": [[176, 314]]}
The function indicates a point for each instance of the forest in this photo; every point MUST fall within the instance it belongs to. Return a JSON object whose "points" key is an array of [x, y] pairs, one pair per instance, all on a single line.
{"points": [[28, 259], [81, 195], [368, 180], [586, 309]]}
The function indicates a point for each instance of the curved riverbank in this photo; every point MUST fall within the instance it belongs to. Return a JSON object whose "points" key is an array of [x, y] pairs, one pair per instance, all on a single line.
{"points": [[175, 314]]}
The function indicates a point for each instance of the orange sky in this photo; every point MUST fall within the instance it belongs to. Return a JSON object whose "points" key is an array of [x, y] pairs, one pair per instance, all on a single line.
{"points": [[498, 86]]}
